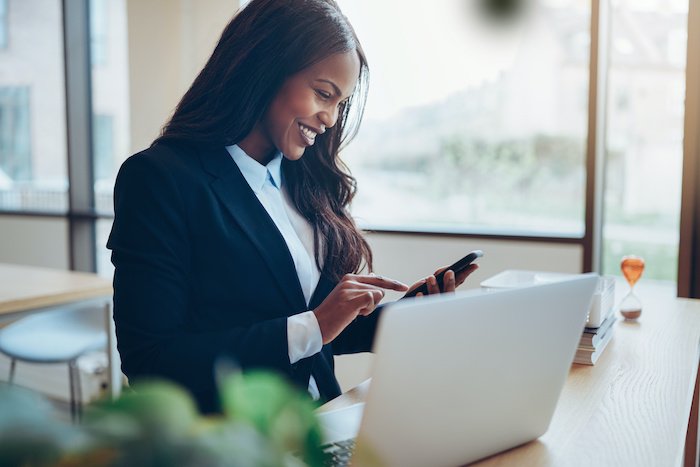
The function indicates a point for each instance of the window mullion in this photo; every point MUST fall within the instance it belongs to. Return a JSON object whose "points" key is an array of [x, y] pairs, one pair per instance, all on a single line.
{"points": [[689, 246], [595, 148], [79, 127]]}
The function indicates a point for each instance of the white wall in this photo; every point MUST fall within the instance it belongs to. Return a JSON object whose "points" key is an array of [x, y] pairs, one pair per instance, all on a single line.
{"points": [[410, 257], [169, 42]]}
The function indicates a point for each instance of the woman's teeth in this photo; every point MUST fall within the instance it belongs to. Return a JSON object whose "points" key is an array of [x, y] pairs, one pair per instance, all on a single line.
{"points": [[308, 132]]}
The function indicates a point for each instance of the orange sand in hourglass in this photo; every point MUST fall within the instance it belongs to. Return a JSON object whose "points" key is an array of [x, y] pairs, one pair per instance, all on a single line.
{"points": [[632, 268]]}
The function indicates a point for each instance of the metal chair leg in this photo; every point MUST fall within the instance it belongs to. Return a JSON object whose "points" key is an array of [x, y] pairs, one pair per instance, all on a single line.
{"points": [[13, 363], [78, 392], [71, 381]]}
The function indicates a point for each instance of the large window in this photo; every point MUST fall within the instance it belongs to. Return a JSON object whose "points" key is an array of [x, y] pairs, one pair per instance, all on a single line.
{"points": [[32, 107], [3, 24], [645, 134], [480, 127], [472, 125]]}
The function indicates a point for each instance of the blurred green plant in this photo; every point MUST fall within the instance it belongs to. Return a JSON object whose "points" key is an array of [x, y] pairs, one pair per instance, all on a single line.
{"points": [[30, 432], [265, 423]]}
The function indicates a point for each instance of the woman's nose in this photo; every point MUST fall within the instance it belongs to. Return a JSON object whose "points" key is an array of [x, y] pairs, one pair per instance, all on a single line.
{"points": [[328, 117]]}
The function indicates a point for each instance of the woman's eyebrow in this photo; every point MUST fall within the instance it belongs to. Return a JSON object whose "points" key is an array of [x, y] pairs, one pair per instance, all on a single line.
{"points": [[335, 88]]}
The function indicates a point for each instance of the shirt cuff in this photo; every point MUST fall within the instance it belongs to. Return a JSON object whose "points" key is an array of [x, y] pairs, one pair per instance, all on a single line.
{"points": [[303, 336]]}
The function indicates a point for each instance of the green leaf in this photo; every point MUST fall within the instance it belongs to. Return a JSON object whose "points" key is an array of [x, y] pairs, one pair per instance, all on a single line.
{"points": [[154, 408], [277, 410]]}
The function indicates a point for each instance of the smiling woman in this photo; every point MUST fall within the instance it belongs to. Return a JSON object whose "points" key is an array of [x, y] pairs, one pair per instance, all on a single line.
{"points": [[232, 237]]}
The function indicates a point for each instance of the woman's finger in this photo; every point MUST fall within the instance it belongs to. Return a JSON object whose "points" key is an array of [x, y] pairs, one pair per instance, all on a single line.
{"points": [[370, 301], [462, 276], [433, 285], [448, 281], [355, 285], [417, 284], [360, 292], [379, 281]]}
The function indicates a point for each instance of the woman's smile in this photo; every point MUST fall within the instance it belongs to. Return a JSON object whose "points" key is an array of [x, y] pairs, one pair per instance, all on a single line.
{"points": [[308, 134]]}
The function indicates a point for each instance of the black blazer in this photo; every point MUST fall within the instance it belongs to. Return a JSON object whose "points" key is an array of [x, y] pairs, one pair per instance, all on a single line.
{"points": [[202, 272]]}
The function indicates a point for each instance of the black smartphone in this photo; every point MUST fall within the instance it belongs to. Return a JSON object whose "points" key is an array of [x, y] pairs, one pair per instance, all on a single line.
{"points": [[457, 267]]}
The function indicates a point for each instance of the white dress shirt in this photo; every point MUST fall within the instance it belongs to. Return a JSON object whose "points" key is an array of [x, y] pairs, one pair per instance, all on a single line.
{"points": [[303, 332]]}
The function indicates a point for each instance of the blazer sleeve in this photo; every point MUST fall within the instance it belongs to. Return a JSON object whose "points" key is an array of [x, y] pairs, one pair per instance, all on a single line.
{"points": [[359, 335], [151, 252]]}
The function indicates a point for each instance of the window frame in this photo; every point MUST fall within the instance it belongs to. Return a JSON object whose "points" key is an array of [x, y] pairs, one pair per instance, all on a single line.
{"points": [[689, 244]]}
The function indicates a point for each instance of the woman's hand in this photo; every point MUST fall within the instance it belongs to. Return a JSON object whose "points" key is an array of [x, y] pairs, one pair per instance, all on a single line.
{"points": [[353, 296], [449, 283]]}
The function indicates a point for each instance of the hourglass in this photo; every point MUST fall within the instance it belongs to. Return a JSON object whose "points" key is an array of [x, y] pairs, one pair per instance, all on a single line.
{"points": [[632, 268]]}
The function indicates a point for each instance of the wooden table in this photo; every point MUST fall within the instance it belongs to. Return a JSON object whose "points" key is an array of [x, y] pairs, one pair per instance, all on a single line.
{"points": [[25, 290], [633, 408]]}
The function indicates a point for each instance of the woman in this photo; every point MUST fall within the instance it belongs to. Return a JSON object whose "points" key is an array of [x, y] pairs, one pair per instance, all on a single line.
{"points": [[226, 242]]}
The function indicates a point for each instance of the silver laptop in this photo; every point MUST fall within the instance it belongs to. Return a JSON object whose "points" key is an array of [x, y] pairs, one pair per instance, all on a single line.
{"points": [[460, 377]]}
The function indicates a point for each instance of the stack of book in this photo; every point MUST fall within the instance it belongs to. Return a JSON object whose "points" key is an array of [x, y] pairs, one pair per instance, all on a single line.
{"points": [[594, 340]]}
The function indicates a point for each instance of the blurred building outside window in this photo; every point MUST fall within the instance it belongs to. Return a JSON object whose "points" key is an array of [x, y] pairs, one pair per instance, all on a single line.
{"points": [[473, 126], [645, 118], [33, 175]]}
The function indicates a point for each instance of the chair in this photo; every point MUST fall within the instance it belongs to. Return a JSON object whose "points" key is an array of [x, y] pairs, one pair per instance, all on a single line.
{"points": [[59, 336]]}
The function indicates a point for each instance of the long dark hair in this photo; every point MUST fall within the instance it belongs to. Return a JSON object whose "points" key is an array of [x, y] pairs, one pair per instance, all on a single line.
{"points": [[264, 44]]}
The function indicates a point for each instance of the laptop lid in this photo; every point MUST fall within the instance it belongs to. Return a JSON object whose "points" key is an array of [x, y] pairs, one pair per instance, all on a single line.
{"points": [[460, 377]]}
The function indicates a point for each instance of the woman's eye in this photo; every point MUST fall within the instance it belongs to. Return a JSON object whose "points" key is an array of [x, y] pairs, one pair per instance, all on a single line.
{"points": [[323, 94]]}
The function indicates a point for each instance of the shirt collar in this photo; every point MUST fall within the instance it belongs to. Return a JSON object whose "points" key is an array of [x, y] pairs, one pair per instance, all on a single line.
{"points": [[275, 169], [254, 172]]}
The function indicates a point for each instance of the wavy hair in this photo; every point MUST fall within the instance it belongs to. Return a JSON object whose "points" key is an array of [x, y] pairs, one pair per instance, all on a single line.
{"points": [[264, 44]]}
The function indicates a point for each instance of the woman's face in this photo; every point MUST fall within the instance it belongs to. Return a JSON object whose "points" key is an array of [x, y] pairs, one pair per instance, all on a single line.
{"points": [[305, 106]]}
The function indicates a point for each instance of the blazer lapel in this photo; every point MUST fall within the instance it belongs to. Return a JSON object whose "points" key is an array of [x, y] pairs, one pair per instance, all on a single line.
{"points": [[323, 288], [234, 192]]}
